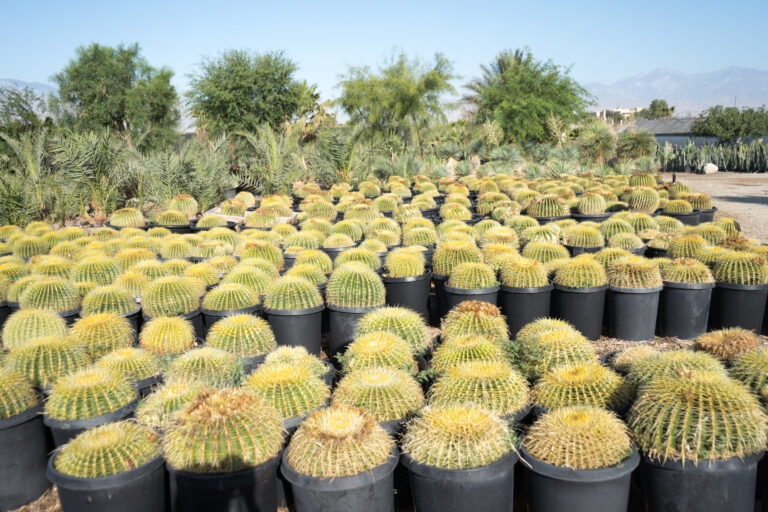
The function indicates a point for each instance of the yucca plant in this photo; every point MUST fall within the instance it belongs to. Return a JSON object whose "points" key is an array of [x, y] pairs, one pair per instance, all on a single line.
{"points": [[493, 385], [102, 333], [460, 436], [167, 336], [291, 389], [582, 384], [134, 364], [386, 393], [223, 431], [88, 393], [211, 366], [27, 325]]}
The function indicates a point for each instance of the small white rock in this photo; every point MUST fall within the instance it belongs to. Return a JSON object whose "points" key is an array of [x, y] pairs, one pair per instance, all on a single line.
{"points": [[710, 168]]}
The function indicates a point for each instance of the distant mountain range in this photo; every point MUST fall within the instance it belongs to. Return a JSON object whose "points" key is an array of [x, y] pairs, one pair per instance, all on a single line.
{"points": [[40, 88], [688, 93]]}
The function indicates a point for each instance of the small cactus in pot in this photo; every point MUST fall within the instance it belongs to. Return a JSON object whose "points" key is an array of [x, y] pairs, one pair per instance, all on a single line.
{"points": [[167, 336], [474, 317], [230, 297], [385, 393], [134, 364], [102, 333], [108, 299], [169, 296], [355, 285], [464, 349], [291, 389], [27, 325], [727, 344], [127, 218], [51, 293], [378, 349], [634, 272], [44, 360], [290, 292], [670, 362], [172, 218], [156, 411], [582, 384], [88, 393], [448, 255], [211, 366], [472, 276], [523, 273], [402, 322], [18, 394]]}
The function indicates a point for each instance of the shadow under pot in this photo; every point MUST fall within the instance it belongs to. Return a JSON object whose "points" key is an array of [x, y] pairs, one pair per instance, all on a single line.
{"points": [[576, 250], [372, 491], [195, 317], [489, 487], [65, 430], [70, 317], [455, 296], [146, 386], [631, 312], [410, 292], [738, 305], [289, 259], [5, 312], [709, 486], [438, 281], [581, 307], [211, 316], [551, 488], [143, 488], [343, 325], [251, 363], [251, 489], [297, 327], [684, 309], [24, 448], [652, 252]]}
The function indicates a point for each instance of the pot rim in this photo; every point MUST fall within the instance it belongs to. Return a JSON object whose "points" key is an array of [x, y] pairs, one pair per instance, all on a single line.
{"points": [[473, 291], [344, 309], [689, 286], [572, 289], [637, 291], [93, 421], [294, 312], [705, 465], [746, 287], [625, 467], [231, 312], [340, 483], [75, 483], [410, 279], [539, 289], [467, 474], [216, 476], [23, 417]]}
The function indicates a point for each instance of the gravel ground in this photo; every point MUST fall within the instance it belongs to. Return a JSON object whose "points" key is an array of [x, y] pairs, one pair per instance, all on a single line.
{"points": [[741, 196]]}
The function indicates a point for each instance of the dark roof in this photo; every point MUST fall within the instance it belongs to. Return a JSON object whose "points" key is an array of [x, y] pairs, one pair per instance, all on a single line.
{"points": [[666, 126]]}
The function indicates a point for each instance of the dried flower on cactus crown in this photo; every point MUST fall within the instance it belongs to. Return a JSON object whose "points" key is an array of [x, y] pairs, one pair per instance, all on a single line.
{"points": [[727, 344]]}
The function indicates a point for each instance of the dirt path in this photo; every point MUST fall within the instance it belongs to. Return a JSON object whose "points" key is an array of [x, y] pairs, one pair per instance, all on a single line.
{"points": [[741, 196]]}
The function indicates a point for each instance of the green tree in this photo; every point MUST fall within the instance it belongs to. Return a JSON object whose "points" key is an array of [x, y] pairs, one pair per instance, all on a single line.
{"points": [[520, 93], [241, 90], [400, 99], [730, 123], [116, 88], [658, 109]]}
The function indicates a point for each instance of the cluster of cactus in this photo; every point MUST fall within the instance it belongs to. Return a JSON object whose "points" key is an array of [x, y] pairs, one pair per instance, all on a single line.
{"points": [[176, 268], [669, 362], [223, 431], [291, 389], [385, 393], [493, 385], [583, 236], [355, 285], [727, 344], [152, 269], [582, 384], [45, 360], [644, 200], [127, 218], [102, 333], [245, 197], [13, 270], [89, 393], [18, 394], [583, 271], [211, 366], [634, 272], [378, 349], [292, 292], [687, 270], [230, 297], [474, 318], [108, 449], [388, 238], [27, 325], [548, 343], [547, 205], [126, 258], [472, 276], [677, 417], [134, 364], [521, 222], [169, 296], [459, 436], [51, 293], [108, 299], [740, 267], [204, 272], [167, 336], [579, 437]]}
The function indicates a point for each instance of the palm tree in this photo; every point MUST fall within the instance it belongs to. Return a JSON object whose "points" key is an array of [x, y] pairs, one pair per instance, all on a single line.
{"points": [[635, 143], [340, 149], [490, 74], [596, 142], [29, 159], [274, 157]]}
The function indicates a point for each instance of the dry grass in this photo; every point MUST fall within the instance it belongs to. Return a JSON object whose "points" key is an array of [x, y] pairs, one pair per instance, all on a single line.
{"points": [[48, 502]]}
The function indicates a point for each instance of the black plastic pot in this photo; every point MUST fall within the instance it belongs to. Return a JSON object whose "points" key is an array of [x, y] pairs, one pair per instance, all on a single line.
{"points": [[607, 361], [552, 488], [176, 230], [5, 312], [289, 260], [687, 218], [372, 491], [410, 292], [582, 307], [333, 252], [487, 488], [738, 305], [547, 220], [652, 252], [64, 430], [24, 448], [710, 486], [210, 316], [195, 229], [229, 193], [455, 296], [146, 386], [521, 306], [639, 251], [343, 325], [251, 363], [70, 316], [144, 489], [297, 327], [248, 490], [438, 282], [575, 251], [118, 228], [134, 318], [594, 217], [394, 427], [684, 309], [707, 215], [631, 312]]}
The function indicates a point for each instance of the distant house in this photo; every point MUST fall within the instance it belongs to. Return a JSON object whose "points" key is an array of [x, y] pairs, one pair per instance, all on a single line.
{"points": [[674, 131]]}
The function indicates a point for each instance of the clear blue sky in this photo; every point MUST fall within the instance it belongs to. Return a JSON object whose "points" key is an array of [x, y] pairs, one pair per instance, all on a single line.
{"points": [[602, 41]]}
